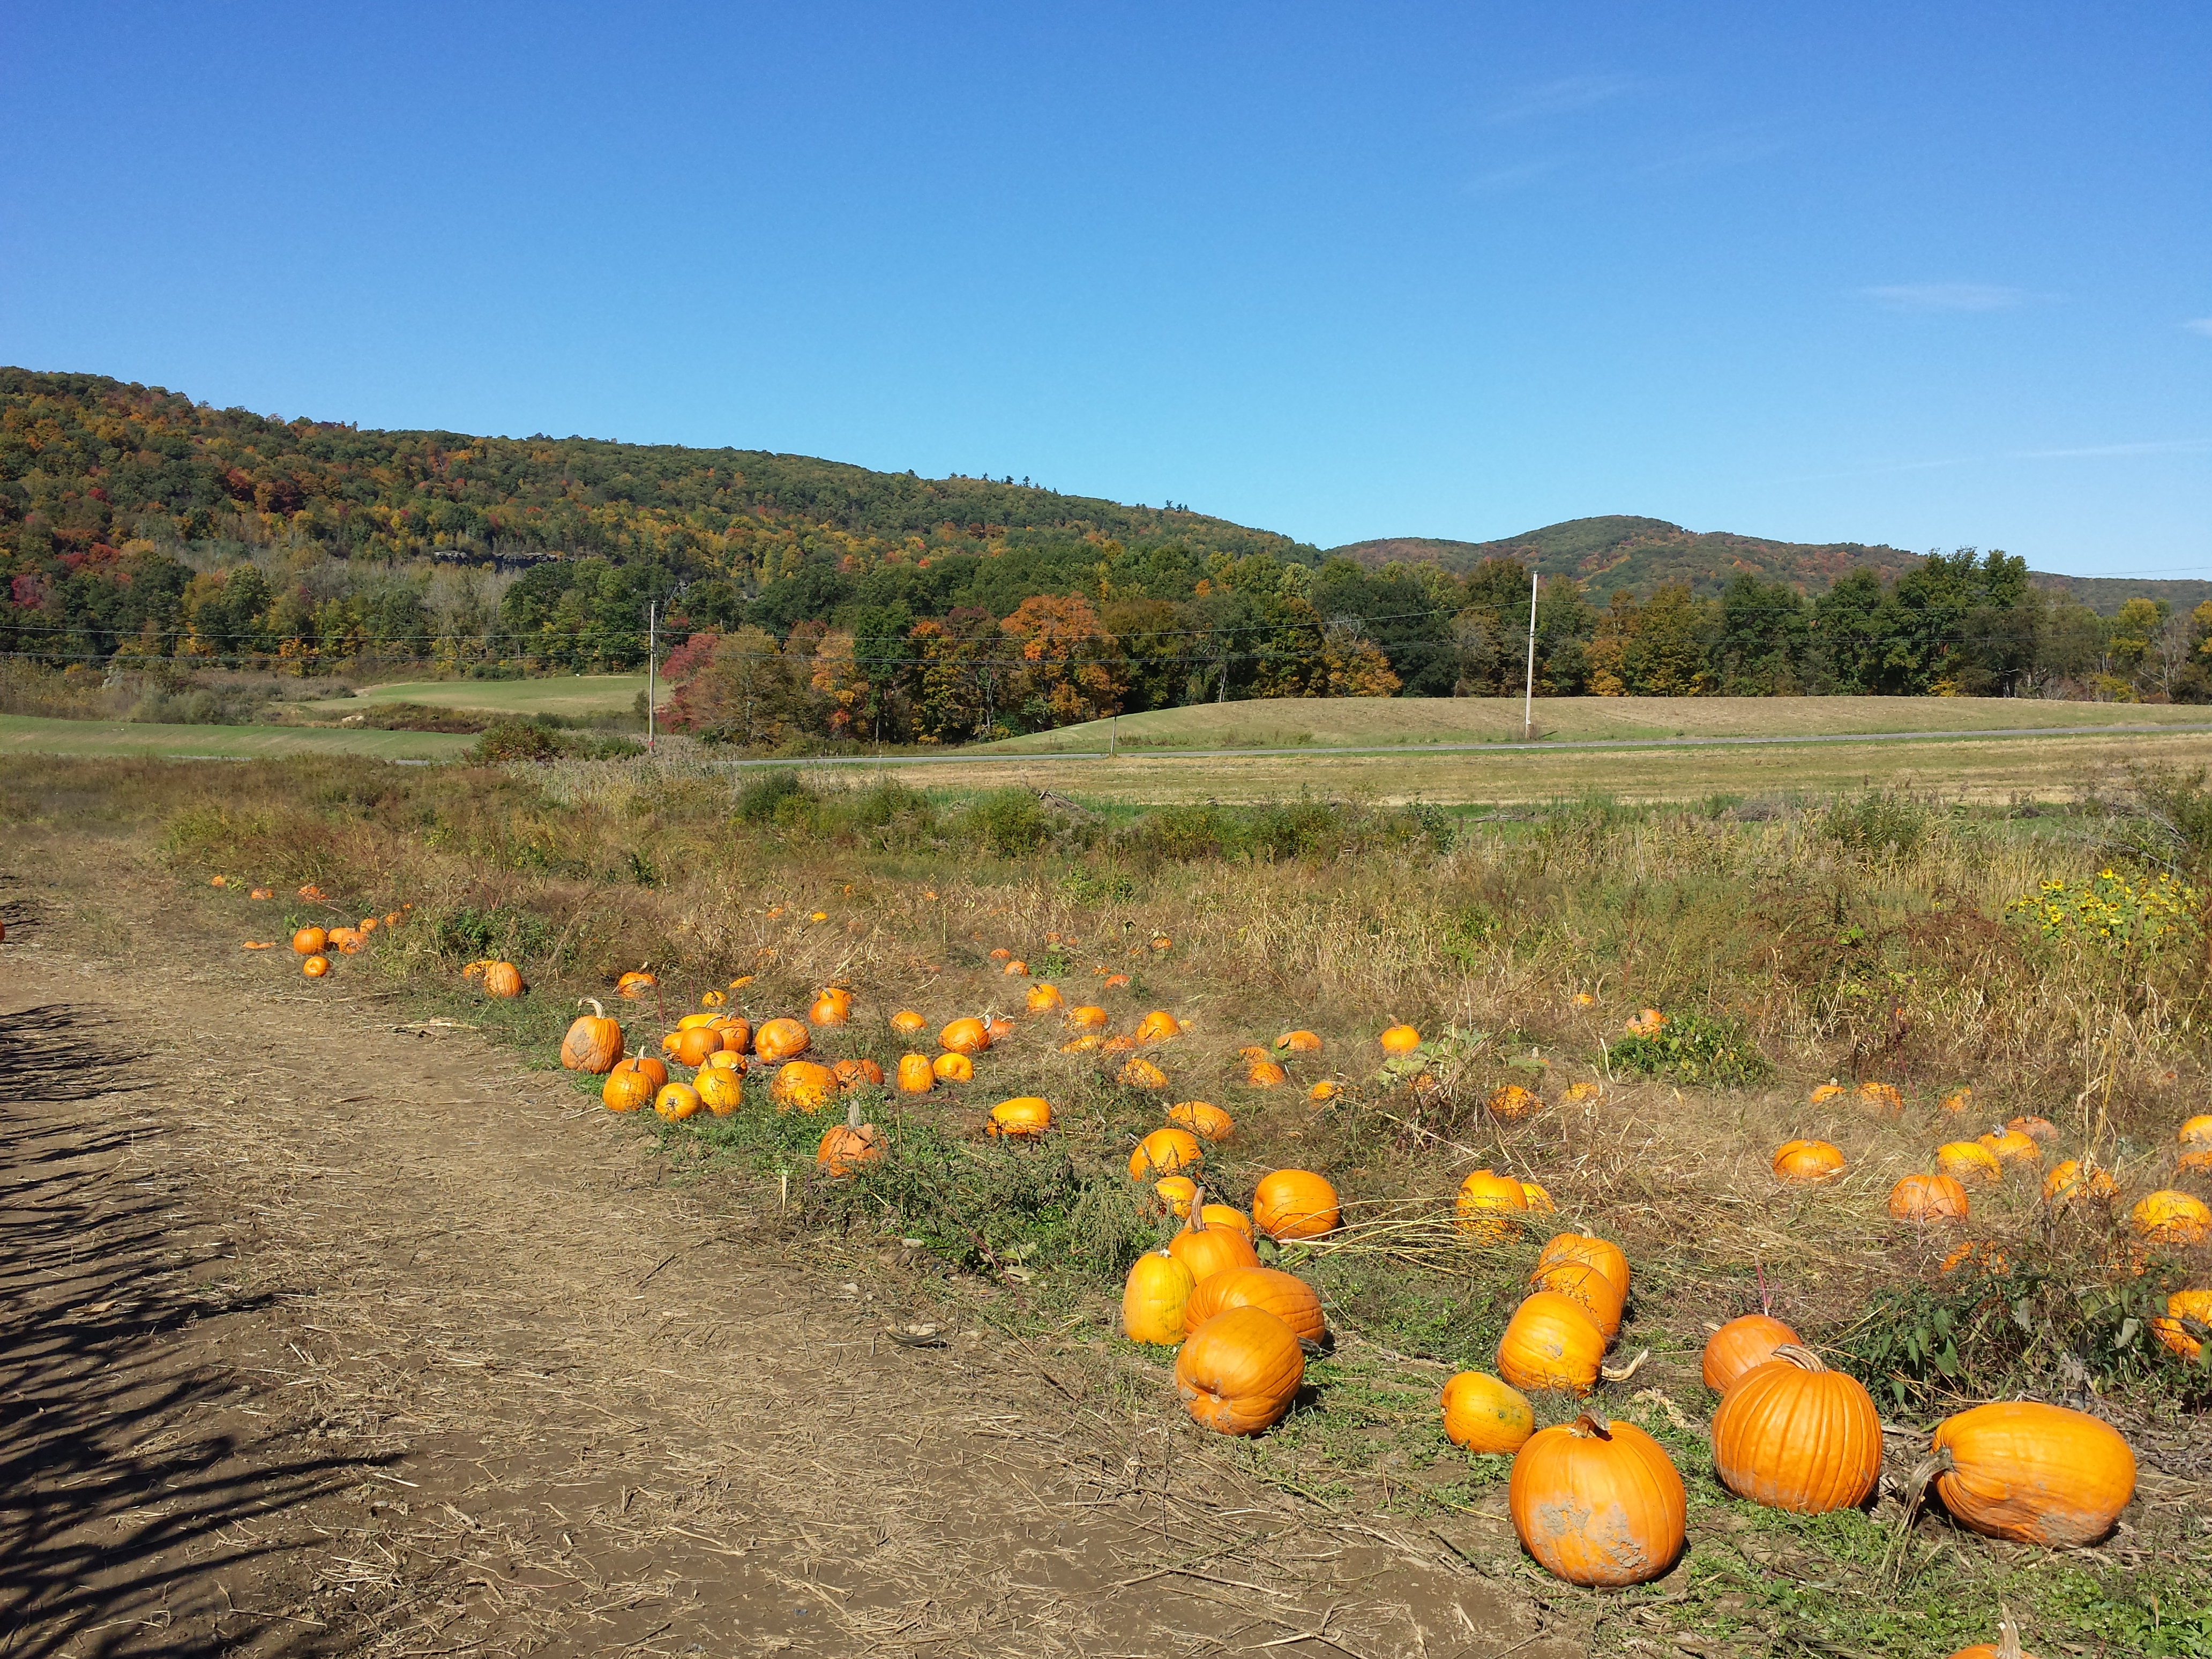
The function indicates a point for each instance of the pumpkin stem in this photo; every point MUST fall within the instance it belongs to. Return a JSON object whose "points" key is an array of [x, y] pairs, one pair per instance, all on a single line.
{"points": [[598, 1013], [1198, 1210], [1939, 1462], [2008, 1634], [1587, 1425], [1803, 1358], [853, 1115]]}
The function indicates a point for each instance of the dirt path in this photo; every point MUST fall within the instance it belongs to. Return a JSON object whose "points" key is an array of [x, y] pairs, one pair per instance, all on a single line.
{"points": [[323, 1334]]}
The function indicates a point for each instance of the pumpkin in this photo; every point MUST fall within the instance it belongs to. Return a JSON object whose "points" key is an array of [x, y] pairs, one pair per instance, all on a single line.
{"points": [[1881, 1097], [1485, 1415], [269, 892], [846, 1146], [779, 1040], [1299, 1043], [1808, 1163], [1928, 1198], [1087, 1018], [1025, 1117], [954, 1068], [347, 941], [964, 1036], [1287, 1297], [802, 1085], [1041, 999], [1983, 1257], [833, 1006], [1250, 1052], [594, 1042], [1175, 1194], [723, 1059], [1157, 1027], [906, 1022], [1017, 966], [1601, 1254], [1647, 1023], [1324, 1090], [652, 1068], [1399, 1040], [243, 945], [1266, 1074], [2198, 1158], [2031, 1473], [1968, 1160], [369, 924], [1001, 954], [2037, 1128], [1487, 1204], [1163, 1152], [1551, 1342], [1824, 1092], [1222, 1215], [1537, 1198], [309, 941], [2077, 1180], [2006, 1647], [2195, 1131], [2185, 1310], [737, 1034], [1153, 1297], [1207, 1250], [1587, 1286], [676, 1101], [1294, 1204], [2171, 1218], [998, 1028], [721, 1090], [1114, 981], [1138, 1072], [1202, 1118], [1113, 1045], [1794, 1434], [1743, 1345], [691, 1047], [633, 986], [1582, 1091], [315, 966], [698, 1022], [1958, 1100], [1239, 1373], [2012, 1146], [915, 1075], [712, 999], [1597, 1503], [852, 1073], [625, 1090], [1510, 1100]]}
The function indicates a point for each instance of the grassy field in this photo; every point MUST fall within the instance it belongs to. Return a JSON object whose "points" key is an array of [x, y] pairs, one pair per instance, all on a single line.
{"points": [[573, 695], [1396, 722], [25, 734]]}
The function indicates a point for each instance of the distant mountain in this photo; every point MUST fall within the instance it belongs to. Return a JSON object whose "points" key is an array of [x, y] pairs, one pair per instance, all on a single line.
{"points": [[1641, 555]]}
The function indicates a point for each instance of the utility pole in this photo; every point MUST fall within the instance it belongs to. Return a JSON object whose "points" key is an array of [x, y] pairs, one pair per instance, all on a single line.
{"points": [[1528, 695], [652, 645]]}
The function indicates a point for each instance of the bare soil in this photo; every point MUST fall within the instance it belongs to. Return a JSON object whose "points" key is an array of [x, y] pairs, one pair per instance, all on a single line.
{"points": [[332, 1331]]}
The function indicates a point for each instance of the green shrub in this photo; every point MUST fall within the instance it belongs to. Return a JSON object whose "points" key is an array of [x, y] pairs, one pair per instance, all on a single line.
{"points": [[765, 796], [468, 934], [516, 740], [1883, 821], [1693, 1048], [1009, 822]]}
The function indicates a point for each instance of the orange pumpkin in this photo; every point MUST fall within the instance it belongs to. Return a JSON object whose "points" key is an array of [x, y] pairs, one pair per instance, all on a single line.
{"points": [[2032, 1473], [1201, 1118], [1294, 1204], [502, 979], [1928, 1198], [1138, 1072], [1324, 1090], [1882, 1097], [1510, 1100], [2036, 1129], [594, 1043], [1538, 1198], [1157, 1027], [2171, 1218], [1087, 1018], [1207, 1250], [852, 1073], [690, 1046], [916, 1075], [315, 966], [1239, 1373], [803, 1085], [2006, 1645], [2195, 1137], [1399, 1040], [1793, 1435], [1808, 1163], [309, 941], [625, 1090], [1485, 1415], [1743, 1345], [722, 1059], [1824, 1092], [1163, 1152], [779, 1040], [906, 1022], [1299, 1043], [676, 1101], [1041, 999], [1551, 1342], [832, 1005], [632, 986], [1598, 1502], [737, 1034], [2077, 1181], [1958, 1100], [652, 1069], [1153, 1297], [964, 1036], [2183, 1329], [721, 1088], [2011, 1146], [954, 1068], [1082, 1044], [1287, 1297], [1586, 1287], [1266, 1074], [1488, 1204], [1968, 1160], [1601, 1254], [1023, 1118], [1017, 966], [1220, 1215], [847, 1146], [346, 941]]}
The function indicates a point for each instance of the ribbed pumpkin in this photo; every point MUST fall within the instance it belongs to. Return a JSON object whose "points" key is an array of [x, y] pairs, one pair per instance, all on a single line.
{"points": [[782, 1039], [1326, 1089], [1587, 1287], [721, 1088], [594, 1043], [2011, 1146], [1024, 1117], [1239, 1373], [1162, 1152], [2195, 1139], [309, 941], [2171, 1218], [1202, 1118], [1299, 1042], [852, 1073], [627, 1090], [1175, 1194], [1793, 1435], [1808, 1163], [1551, 1342], [346, 941], [1510, 1100], [801, 1086], [832, 1006], [998, 1028], [846, 1146], [965, 1037], [1087, 1018], [646, 1063], [2032, 1473], [1881, 1097], [2185, 1309], [1221, 1215], [1598, 1502], [1287, 1297], [1489, 1206], [1294, 1204], [954, 1068], [1041, 999], [723, 1059], [2006, 1646], [316, 966], [1399, 1040], [1601, 1254], [1485, 1415], [737, 1034], [1743, 1345], [1968, 1160], [632, 986], [1537, 1198], [1928, 1198], [906, 1022], [2078, 1180], [502, 979], [1157, 1027], [1266, 1074], [1207, 1250], [1824, 1092], [690, 1046], [1081, 1044], [1153, 1297], [914, 1075], [1138, 1072], [676, 1101]]}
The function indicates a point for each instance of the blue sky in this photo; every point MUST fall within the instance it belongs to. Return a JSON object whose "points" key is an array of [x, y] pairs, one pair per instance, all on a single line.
{"points": [[1931, 276]]}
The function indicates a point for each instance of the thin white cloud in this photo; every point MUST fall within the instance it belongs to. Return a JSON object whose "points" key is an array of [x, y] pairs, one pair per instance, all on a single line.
{"points": [[2199, 326], [1946, 296], [1729, 147], [2087, 452], [1561, 97], [1498, 180]]}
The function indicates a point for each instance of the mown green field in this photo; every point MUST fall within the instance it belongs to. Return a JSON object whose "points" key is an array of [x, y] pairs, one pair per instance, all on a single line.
{"points": [[26, 734], [573, 696]]}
